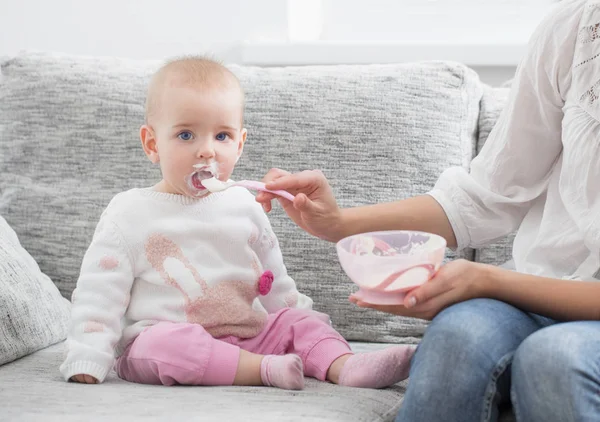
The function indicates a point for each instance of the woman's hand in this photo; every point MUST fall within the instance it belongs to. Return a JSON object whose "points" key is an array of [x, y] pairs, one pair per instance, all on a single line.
{"points": [[314, 209], [455, 282]]}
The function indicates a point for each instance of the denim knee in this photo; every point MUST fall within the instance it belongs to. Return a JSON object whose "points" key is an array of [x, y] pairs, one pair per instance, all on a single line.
{"points": [[461, 363], [556, 374], [460, 357], [462, 336]]}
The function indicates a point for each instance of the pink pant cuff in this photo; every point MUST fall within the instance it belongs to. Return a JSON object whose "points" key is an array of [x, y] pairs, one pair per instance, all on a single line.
{"points": [[322, 355]]}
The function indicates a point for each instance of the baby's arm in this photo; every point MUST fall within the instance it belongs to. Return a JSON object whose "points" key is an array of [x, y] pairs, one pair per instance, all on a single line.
{"points": [[99, 303], [283, 293]]}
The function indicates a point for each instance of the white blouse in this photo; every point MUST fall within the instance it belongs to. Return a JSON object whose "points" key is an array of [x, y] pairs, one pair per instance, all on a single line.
{"points": [[539, 171]]}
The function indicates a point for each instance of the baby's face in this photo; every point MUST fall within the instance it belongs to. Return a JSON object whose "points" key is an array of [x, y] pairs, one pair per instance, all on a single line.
{"points": [[199, 135]]}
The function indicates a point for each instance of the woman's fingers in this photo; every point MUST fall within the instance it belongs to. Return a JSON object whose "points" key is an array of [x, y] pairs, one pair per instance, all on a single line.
{"points": [[436, 304], [274, 174], [264, 199], [436, 286], [423, 302], [390, 309], [298, 182]]}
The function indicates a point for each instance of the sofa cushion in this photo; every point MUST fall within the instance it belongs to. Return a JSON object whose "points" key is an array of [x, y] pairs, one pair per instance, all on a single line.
{"points": [[33, 314], [39, 381], [69, 135], [492, 103]]}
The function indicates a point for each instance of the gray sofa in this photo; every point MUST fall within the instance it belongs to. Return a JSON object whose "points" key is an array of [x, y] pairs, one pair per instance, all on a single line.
{"points": [[69, 142]]}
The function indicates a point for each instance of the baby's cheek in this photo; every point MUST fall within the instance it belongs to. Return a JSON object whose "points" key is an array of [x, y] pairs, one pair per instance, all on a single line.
{"points": [[226, 169]]}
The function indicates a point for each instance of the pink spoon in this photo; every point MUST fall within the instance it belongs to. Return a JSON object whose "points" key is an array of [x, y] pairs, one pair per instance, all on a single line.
{"points": [[215, 185]]}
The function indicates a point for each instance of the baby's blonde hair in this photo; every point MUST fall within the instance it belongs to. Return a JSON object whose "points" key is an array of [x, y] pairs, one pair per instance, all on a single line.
{"points": [[189, 70]]}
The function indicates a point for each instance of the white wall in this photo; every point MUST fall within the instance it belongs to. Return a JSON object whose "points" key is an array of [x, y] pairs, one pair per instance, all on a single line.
{"points": [[230, 29], [451, 21], [138, 28]]}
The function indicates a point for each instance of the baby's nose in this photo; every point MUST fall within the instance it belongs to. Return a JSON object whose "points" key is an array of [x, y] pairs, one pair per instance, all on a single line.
{"points": [[206, 150]]}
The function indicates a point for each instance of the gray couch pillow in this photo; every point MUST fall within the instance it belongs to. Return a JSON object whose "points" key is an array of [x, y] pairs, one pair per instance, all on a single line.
{"points": [[69, 133], [33, 314], [70, 129], [492, 103]]}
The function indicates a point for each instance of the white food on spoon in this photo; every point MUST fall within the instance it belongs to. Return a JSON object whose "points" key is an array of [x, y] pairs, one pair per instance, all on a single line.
{"points": [[215, 185]]}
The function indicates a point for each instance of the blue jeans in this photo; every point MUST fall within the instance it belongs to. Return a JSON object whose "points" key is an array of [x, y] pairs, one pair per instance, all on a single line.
{"points": [[480, 354]]}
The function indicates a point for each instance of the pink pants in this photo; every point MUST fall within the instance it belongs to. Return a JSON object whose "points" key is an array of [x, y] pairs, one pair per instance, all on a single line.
{"points": [[180, 353]]}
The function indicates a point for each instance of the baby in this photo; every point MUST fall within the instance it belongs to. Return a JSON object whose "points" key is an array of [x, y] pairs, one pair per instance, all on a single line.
{"points": [[184, 286]]}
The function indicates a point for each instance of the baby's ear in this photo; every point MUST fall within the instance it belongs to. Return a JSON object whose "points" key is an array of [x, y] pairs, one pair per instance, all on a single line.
{"points": [[149, 143], [244, 134]]}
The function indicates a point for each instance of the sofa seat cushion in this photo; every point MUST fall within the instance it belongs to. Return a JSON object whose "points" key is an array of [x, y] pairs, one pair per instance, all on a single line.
{"points": [[44, 396]]}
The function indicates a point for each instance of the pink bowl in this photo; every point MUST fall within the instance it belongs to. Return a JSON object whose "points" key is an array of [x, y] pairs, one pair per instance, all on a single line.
{"points": [[386, 265]]}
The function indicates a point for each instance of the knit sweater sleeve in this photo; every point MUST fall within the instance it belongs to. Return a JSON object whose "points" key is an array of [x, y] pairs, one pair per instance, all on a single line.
{"points": [[283, 293], [99, 302]]}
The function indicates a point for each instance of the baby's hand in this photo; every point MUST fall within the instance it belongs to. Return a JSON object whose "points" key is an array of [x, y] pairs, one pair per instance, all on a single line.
{"points": [[84, 379]]}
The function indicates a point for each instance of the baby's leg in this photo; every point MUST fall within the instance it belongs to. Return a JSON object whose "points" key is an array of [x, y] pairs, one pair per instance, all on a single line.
{"points": [[301, 332], [326, 355], [169, 353]]}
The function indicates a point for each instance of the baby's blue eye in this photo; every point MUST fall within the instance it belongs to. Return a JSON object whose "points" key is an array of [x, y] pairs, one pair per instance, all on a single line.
{"points": [[185, 136], [221, 136]]}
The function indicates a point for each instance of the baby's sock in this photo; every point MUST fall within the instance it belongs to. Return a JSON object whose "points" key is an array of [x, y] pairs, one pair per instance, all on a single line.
{"points": [[285, 372], [377, 369]]}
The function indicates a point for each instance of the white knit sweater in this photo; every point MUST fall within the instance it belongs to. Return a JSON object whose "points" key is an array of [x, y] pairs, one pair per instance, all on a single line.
{"points": [[162, 257]]}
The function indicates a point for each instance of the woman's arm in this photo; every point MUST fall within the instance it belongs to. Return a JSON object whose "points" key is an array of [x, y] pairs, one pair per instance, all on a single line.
{"points": [[461, 280], [315, 209], [564, 300], [422, 213]]}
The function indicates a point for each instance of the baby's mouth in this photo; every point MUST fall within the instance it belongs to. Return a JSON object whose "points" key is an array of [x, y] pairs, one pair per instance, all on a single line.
{"points": [[199, 176]]}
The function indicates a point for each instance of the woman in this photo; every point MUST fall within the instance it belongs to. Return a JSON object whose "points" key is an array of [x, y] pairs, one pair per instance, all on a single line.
{"points": [[531, 336]]}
